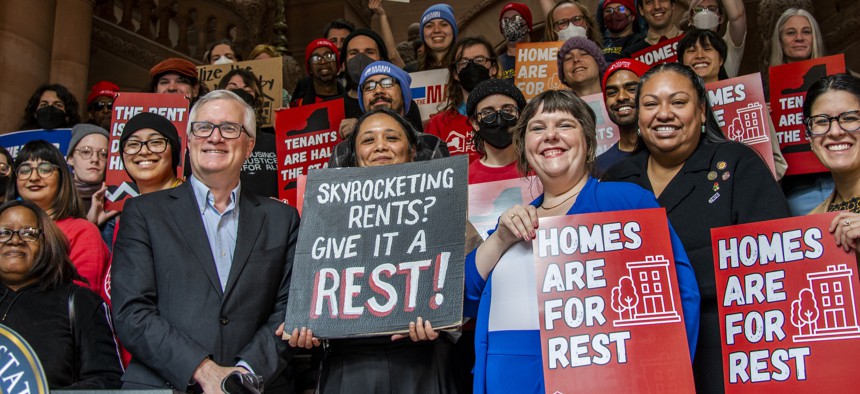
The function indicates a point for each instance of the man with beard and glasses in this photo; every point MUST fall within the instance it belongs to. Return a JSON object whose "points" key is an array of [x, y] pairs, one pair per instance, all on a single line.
{"points": [[619, 20], [619, 93], [384, 85], [361, 48], [515, 22], [321, 59]]}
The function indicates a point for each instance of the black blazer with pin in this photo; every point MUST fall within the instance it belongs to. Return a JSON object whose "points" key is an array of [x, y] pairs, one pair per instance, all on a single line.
{"points": [[720, 184], [170, 310]]}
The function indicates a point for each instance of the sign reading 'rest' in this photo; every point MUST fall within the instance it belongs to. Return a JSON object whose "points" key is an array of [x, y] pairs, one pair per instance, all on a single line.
{"points": [[611, 318], [788, 307]]}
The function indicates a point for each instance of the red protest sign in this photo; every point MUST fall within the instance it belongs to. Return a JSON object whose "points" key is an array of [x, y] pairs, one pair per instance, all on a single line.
{"points": [[788, 307], [305, 137], [174, 107], [788, 86], [662, 52], [610, 306], [741, 111], [607, 132]]}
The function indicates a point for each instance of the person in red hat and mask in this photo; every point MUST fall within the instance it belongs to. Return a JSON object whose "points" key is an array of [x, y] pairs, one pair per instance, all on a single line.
{"points": [[515, 23], [322, 60], [100, 103]]}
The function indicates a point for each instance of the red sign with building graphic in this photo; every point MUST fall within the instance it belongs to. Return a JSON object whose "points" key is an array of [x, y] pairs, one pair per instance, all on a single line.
{"points": [[788, 86], [788, 307], [305, 138], [488, 200], [741, 111], [611, 318]]}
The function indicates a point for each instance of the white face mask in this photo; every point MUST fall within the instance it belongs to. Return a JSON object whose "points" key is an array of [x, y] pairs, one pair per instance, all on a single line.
{"points": [[571, 31], [706, 20], [224, 60]]}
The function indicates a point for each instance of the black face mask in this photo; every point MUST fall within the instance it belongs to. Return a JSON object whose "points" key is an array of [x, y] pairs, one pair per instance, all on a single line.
{"points": [[471, 75], [50, 117], [356, 65], [497, 133]]}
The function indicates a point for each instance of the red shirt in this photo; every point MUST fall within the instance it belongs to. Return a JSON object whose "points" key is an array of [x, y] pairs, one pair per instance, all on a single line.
{"points": [[480, 172]]}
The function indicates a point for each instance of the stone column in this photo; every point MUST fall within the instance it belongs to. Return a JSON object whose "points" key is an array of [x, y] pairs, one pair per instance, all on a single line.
{"points": [[26, 41], [70, 61]]}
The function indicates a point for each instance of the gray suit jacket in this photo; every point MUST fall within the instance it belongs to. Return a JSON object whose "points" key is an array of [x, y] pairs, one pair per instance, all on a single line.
{"points": [[169, 308]]}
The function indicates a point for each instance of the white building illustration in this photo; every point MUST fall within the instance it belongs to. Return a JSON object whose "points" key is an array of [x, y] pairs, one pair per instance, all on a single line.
{"points": [[645, 295], [750, 125], [825, 310]]}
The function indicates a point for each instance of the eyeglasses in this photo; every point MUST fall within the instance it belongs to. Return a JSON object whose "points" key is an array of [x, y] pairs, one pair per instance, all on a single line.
{"points": [[489, 116], [87, 152], [820, 124], [712, 8], [155, 145], [562, 24], [100, 105], [229, 130], [44, 169], [326, 57], [27, 234], [5, 169], [611, 10], [386, 83], [479, 60]]}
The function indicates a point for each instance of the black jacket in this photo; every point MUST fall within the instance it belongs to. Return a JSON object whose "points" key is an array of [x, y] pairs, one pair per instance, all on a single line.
{"points": [[720, 184], [90, 359]]}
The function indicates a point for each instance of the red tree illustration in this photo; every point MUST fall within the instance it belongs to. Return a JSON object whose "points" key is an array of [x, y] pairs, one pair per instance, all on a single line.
{"points": [[624, 297], [804, 311]]}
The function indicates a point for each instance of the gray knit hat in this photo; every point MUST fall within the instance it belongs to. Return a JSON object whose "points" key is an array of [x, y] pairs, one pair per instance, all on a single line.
{"points": [[586, 45], [82, 130]]}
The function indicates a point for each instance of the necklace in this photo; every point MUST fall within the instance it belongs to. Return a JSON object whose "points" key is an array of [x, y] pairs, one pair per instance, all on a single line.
{"points": [[559, 204]]}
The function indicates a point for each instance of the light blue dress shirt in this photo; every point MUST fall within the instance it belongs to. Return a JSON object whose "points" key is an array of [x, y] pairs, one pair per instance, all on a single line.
{"points": [[222, 229]]}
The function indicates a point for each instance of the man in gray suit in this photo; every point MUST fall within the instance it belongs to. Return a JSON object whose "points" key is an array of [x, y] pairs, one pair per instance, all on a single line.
{"points": [[201, 272]]}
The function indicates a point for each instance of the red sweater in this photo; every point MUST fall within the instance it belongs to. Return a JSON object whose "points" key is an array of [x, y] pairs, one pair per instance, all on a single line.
{"points": [[88, 252]]}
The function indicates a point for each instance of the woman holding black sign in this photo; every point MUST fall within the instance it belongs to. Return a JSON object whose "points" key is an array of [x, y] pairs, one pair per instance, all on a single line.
{"points": [[556, 139], [386, 364], [66, 325]]}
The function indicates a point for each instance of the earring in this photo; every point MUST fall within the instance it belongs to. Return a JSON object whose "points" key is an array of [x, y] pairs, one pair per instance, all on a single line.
{"points": [[638, 131], [703, 129]]}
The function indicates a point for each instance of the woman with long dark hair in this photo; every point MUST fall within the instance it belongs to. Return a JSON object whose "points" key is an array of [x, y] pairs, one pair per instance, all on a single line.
{"points": [[42, 176], [703, 180], [51, 106]]}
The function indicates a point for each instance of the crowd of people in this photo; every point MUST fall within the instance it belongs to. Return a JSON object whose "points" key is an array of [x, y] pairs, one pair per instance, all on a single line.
{"points": [[188, 285]]}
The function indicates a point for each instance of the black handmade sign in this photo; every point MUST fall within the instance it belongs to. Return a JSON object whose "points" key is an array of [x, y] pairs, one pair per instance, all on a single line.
{"points": [[380, 246]]}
